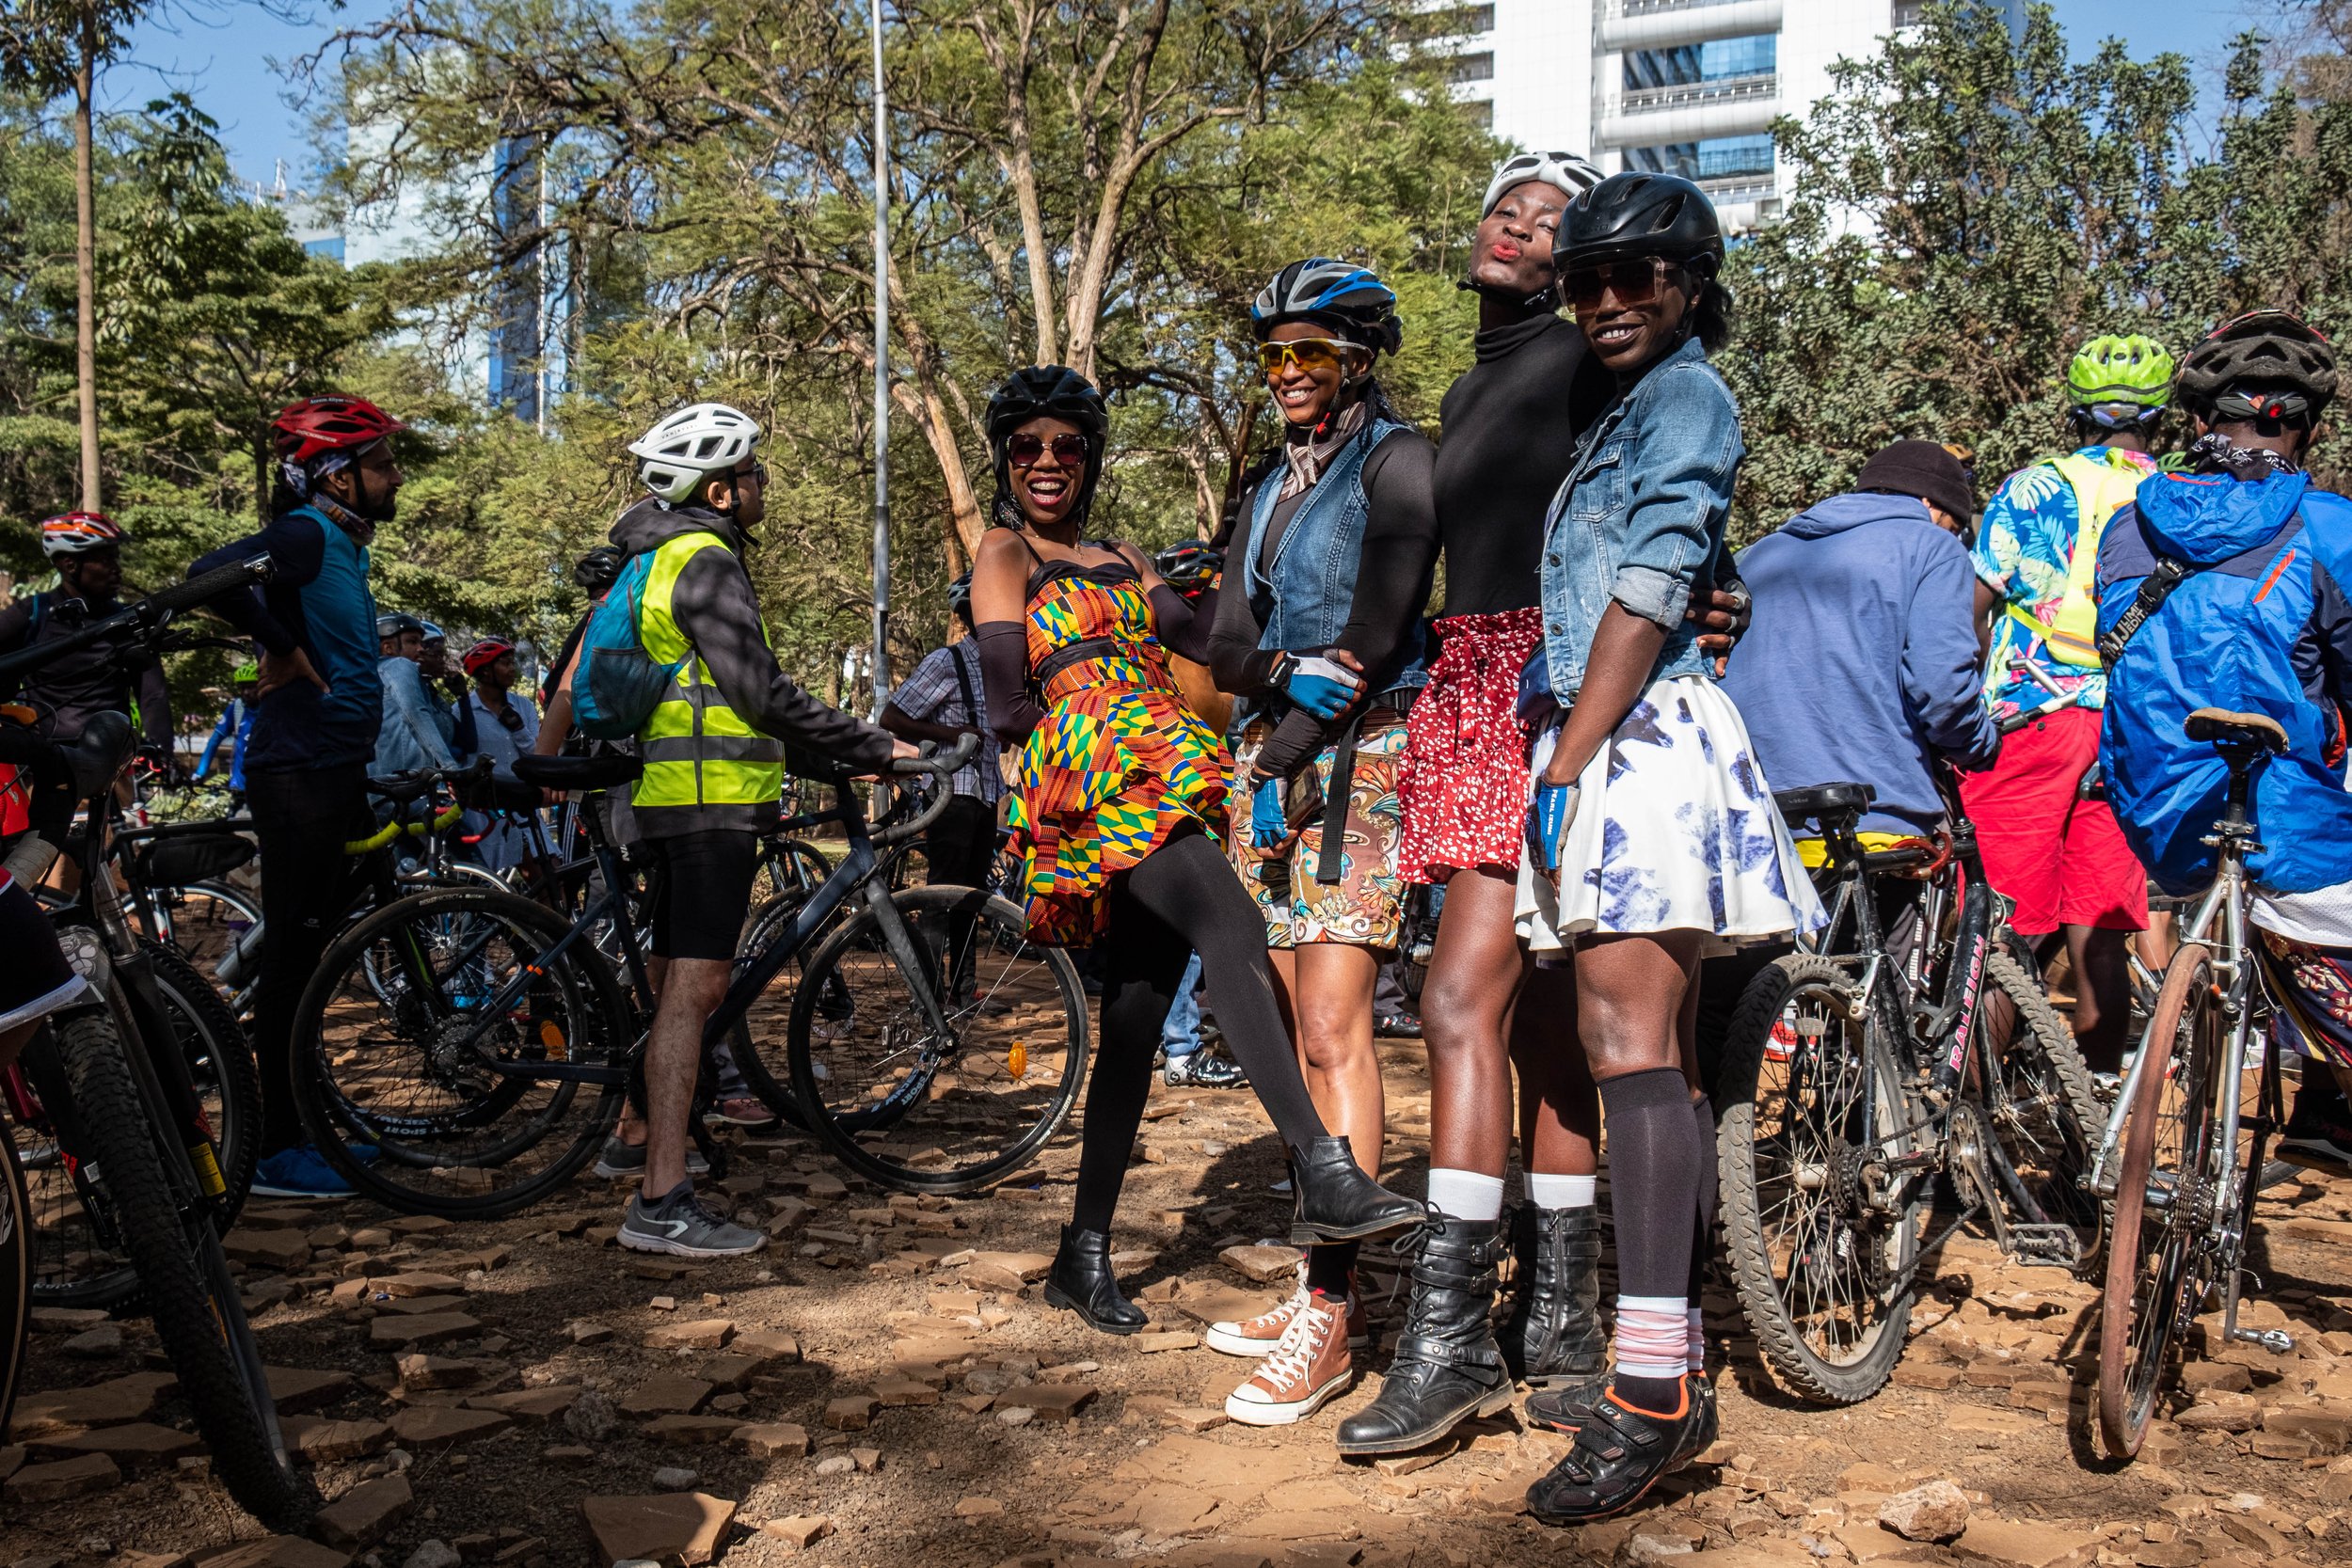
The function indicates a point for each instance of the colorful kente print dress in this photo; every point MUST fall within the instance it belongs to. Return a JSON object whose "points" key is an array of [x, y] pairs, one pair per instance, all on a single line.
{"points": [[1117, 765]]}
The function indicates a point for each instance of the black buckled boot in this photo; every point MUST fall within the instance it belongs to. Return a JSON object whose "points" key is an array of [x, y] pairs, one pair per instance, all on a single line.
{"points": [[1553, 1334], [1448, 1367], [1337, 1202], [1081, 1280]]}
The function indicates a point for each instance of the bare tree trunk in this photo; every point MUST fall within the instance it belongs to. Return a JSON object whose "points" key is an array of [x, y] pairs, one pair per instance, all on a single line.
{"points": [[86, 255]]}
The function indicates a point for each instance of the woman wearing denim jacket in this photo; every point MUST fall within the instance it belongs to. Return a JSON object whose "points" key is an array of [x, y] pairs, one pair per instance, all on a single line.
{"points": [[1318, 635], [1652, 840]]}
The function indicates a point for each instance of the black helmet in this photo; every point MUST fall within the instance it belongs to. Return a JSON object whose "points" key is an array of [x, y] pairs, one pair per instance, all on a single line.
{"points": [[2264, 364], [1046, 392], [960, 596], [396, 623], [1639, 215], [1349, 299], [1190, 568], [596, 571]]}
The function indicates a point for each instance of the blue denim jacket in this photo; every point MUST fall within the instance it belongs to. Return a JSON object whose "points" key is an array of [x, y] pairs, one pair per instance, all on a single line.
{"points": [[1305, 606], [1639, 520]]}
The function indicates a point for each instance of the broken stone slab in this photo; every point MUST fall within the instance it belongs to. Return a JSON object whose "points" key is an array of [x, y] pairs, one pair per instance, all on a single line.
{"points": [[270, 1249], [422, 1328], [1263, 1264], [129, 1398], [296, 1389], [1185, 1418], [528, 1404], [271, 1551], [327, 1442], [67, 1478], [132, 1444], [95, 1344], [418, 1371], [1221, 1304], [675, 1528], [768, 1347], [1937, 1512], [360, 1516], [2325, 1430], [444, 1423], [771, 1439], [2038, 1544], [979, 1508], [699, 1334], [1153, 1344], [799, 1531], [686, 1431], [65, 1320], [853, 1413], [899, 1392], [1057, 1402], [666, 1394], [420, 1283]]}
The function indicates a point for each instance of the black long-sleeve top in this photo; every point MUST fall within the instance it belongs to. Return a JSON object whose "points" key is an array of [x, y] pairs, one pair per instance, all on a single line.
{"points": [[1392, 578]]}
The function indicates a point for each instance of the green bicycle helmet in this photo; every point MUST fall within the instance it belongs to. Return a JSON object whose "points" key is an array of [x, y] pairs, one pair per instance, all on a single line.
{"points": [[2130, 370]]}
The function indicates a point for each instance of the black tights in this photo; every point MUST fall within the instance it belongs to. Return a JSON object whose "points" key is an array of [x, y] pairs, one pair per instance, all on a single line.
{"points": [[1183, 898]]}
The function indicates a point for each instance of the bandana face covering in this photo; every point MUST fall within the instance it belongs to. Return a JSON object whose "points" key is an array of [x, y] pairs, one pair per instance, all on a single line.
{"points": [[2215, 453]]}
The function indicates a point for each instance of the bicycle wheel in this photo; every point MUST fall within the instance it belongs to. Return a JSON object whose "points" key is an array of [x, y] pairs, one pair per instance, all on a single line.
{"points": [[220, 1063], [760, 1036], [2043, 1118], [205, 919], [394, 1051], [792, 865], [921, 1111], [16, 1275], [2155, 1256], [197, 1310], [1822, 1240]]}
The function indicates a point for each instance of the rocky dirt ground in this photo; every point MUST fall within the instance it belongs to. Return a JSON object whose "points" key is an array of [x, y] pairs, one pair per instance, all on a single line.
{"points": [[882, 1385]]}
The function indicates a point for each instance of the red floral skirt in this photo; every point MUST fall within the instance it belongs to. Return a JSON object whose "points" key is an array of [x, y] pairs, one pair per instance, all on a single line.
{"points": [[1464, 784]]}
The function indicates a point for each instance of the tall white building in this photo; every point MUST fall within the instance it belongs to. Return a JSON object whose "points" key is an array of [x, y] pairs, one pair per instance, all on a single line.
{"points": [[1691, 86]]}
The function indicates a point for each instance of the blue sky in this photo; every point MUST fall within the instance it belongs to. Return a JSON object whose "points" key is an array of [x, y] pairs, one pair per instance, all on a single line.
{"points": [[221, 52]]}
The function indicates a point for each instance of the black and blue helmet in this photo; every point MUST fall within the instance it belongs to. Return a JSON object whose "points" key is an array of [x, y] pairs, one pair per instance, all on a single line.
{"points": [[1350, 300]]}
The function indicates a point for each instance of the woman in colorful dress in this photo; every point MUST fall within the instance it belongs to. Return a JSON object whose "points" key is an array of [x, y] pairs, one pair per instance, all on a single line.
{"points": [[1652, 838], [1119, 802], [1318, 634]]}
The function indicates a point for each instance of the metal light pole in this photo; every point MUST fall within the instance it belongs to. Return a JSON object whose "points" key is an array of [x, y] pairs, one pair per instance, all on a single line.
{"points": [[882, 375]]}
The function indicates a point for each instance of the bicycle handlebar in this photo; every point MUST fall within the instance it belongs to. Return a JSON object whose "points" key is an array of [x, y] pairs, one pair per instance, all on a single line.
{"points": [[941, 766], [137, 620]]}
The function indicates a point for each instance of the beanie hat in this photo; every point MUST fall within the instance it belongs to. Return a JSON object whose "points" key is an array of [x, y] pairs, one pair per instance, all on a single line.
{"points": [[1924, 470]]}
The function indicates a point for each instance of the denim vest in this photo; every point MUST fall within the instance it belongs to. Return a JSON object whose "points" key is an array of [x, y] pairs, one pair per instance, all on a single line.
{"points": [[1305, 606], [1639, 520]]}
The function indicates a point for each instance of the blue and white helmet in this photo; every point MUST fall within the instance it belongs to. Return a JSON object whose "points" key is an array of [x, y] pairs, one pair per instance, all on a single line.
{"points": [[1565, 172], [1350, 300]]}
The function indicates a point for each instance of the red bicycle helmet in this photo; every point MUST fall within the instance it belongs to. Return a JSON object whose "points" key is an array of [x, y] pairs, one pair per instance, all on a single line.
{"points": [[78, 533], [333, 423]]}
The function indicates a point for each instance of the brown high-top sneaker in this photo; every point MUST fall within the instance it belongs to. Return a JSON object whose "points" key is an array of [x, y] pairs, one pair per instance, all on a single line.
{"points": [[1307, 1367]]}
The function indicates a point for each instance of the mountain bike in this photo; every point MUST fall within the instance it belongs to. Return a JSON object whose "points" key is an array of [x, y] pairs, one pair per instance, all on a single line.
{"points": [[2171, 1156], [112, 1088], [1856, 1074], [502, 1066]]}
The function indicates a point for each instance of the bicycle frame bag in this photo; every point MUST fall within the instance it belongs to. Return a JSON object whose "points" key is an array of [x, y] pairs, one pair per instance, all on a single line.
{"points": [[180, 859], [617, 684]]}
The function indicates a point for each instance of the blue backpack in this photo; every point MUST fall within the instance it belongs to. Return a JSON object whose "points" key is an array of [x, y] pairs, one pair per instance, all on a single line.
{"points": [[617, 684]]}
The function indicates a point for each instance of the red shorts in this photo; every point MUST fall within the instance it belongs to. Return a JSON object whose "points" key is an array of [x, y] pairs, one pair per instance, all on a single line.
{"points": [[2063, 860], [1463, 782]]}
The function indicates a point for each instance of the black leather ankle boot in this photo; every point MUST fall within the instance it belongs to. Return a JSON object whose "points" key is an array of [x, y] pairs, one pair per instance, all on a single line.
{"points": [[1337, 1202], [1554, 1334], [1081, 1279], [1448, 1367]]}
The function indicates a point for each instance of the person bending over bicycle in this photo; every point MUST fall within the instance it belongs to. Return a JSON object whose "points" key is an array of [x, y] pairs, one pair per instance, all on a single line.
{"points": [[318, 705], [714, 770], [86, 547], [2229, 586]]}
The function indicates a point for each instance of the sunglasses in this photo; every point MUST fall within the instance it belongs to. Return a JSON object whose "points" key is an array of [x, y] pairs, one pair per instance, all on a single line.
{"points": [[1309, 353], [1071, 452], [511, 717], [1635, 282]]}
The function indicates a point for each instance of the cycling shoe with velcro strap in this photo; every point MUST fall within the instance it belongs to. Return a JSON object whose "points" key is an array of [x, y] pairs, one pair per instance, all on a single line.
{"points": [[1619, 1454]]}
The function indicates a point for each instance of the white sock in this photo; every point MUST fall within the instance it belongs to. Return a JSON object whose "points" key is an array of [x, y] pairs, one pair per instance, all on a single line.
{"points": [[1546, 1191], [1652, 1339], [1696, 1354], [1466, 1194]]}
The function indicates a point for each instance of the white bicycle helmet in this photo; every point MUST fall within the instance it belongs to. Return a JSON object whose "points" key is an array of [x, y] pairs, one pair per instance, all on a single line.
{"points": [[1565, 172], [700, 439]]}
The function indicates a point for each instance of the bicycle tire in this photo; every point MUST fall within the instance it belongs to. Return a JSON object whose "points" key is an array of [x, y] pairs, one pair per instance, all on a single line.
{"points": [[864, 1143], [193, 1299], [2150, 1291], [2043, 1142], [593, 1007], [205, 942], [1756, 1156], [16, 1274]]}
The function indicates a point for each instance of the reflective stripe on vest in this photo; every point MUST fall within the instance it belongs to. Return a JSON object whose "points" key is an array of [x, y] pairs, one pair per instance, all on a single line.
{"points": [[697, 750], [2101, 490]]}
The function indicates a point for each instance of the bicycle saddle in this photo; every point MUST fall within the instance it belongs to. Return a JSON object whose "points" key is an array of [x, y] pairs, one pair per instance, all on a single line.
{"points": [[401, 788], [2257, 730], [604, 772], [105, 744], [1821, 799]]}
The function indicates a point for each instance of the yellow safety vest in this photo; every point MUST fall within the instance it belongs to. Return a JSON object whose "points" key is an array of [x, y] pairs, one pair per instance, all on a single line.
{"points": [[2101, 490], [697, 750]]}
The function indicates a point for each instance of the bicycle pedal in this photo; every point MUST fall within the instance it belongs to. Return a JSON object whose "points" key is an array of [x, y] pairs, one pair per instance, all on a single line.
{"points": [[2048, 1246], [2278, 1341]]}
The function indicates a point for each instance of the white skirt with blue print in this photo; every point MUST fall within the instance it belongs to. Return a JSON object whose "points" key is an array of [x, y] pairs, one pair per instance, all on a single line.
{"points": [[1675, 831]]}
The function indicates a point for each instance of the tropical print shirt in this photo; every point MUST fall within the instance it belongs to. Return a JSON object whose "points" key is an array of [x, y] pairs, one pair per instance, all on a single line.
{"points": [[2024, 547]]}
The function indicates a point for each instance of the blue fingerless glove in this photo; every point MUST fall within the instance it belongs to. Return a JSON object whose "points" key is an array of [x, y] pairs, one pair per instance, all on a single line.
{"points": [[1548, 818], [1322, 686], [1267, 827]]}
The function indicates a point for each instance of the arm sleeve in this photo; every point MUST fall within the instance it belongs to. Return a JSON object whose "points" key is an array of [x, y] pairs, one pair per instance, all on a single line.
{"points": [[295, 548], [1235, 661], [1183, 629], [713, 602], [1678, 476], [2323, 657], [1939, 672], [465, 732], [1005, 680]]}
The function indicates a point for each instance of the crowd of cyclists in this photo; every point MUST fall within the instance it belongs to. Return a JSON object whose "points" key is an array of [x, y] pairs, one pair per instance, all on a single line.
{"points": [[1581, 750]]}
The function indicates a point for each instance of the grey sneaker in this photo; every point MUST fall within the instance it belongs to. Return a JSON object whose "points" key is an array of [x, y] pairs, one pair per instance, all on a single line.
{"points": [[626, 1158], [681, 1225]]}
